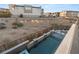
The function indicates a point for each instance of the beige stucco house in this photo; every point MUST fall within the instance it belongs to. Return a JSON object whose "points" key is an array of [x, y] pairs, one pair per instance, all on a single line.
{"points": [[25, 10], [69, 13]]}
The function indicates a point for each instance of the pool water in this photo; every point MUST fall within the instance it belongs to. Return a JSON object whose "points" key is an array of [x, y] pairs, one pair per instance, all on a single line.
{"points": [[48, 45]]}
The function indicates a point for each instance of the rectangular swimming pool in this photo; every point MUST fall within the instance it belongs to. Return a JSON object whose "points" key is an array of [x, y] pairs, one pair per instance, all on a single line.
{"points": [[48, 45]]}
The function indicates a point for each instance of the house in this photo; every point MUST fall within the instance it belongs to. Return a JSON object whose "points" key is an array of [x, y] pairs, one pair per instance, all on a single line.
{"points": [[69, 13], [25, 10], [52, 14], [4, 12]]}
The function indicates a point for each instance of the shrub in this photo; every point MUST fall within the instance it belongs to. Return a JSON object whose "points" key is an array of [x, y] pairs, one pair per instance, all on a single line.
{"points": [[19, 24], [15, 25]]}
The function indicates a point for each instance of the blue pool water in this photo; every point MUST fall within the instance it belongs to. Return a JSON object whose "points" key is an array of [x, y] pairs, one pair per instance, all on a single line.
{"points": [[48, 45]]}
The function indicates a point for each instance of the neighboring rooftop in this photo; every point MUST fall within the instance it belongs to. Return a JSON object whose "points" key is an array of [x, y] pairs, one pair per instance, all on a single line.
{"points": [[69, 11], [27, 6]]}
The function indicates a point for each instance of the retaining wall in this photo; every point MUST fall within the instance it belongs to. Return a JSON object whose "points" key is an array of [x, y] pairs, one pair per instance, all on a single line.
{"points": [[16, 49], [70, 43], [37, 40]]}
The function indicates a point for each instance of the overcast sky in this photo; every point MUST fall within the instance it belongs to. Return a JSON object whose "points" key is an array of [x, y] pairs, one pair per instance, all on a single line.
{"points": [[53, 7]]}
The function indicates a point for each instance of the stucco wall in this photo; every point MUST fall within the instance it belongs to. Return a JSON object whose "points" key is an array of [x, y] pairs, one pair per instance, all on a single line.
{"points": [[75, 43], [20, 10], [69, 42], [69, 14]]}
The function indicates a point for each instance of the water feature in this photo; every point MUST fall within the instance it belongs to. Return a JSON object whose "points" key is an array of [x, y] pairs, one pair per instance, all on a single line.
{"points": [[49, 44]]}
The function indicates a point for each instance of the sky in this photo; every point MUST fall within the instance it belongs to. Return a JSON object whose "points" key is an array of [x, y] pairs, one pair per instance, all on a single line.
{"points": [[53, 7]]}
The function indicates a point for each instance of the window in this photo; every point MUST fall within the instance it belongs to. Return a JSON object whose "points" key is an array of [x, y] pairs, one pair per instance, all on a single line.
{"points": [[28, 9]]}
